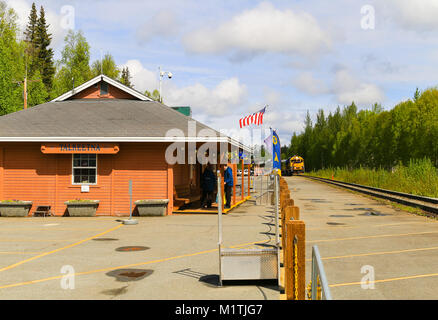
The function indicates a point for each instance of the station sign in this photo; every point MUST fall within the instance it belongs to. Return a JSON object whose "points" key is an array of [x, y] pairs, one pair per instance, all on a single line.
{"points": [[80, 147]]}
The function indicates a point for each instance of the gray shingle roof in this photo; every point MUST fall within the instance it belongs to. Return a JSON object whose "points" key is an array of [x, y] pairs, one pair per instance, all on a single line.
{"points": [[95, 118]]}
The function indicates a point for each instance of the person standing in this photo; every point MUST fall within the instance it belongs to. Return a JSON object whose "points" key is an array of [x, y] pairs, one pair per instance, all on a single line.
{"points": [[208, 185], [228, 185]]}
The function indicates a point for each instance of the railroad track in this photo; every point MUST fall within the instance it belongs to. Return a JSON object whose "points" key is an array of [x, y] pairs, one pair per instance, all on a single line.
{"points": [[424, 203]]}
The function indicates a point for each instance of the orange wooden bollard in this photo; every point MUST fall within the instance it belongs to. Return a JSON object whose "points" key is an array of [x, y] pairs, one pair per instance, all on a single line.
{"points": [[295, 257], [285, 203], [290, 211]]}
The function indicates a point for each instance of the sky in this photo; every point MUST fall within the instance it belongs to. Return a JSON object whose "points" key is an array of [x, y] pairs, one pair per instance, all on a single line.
{"points": [[230, 58]]}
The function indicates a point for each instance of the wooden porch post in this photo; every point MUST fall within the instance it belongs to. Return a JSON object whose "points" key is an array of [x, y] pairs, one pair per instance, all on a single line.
{"points": [[170, 184], [249, 180], [221, 168], [234, 166], [242, 187]]}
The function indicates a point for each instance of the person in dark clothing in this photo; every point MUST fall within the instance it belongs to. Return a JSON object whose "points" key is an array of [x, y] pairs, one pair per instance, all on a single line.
{"points": [[208, 185], [228, 185]]}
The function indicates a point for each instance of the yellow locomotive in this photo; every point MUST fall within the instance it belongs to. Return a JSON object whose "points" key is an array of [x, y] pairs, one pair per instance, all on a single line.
{"points": [[292, 165]]}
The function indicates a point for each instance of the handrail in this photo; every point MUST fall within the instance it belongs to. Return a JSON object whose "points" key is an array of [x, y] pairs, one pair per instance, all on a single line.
{"points": [[319, 279]]}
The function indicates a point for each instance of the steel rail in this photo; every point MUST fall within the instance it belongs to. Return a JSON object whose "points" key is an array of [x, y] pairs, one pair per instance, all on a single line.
{"points": [[403, 198]]}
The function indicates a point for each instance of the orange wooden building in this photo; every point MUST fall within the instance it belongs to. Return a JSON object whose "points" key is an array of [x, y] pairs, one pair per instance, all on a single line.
{"points": [[89, 142]]}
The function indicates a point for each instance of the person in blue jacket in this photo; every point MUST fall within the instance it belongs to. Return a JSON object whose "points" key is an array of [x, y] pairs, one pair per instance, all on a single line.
{"points": [[228, 185], [208, 185]]}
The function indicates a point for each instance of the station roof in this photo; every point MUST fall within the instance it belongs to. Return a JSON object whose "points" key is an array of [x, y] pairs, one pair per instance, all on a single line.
{"points": [[69, 118], [99, 120]]}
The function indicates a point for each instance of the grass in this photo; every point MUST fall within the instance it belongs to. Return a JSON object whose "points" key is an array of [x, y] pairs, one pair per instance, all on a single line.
{"points": [[419, 177]]}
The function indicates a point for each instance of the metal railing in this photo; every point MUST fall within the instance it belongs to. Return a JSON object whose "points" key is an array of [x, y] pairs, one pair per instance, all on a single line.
{"points": [[320, 288], [262, 188]]}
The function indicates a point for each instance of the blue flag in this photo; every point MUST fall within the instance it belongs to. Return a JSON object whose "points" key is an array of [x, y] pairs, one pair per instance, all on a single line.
{"points": [[276, 148]]}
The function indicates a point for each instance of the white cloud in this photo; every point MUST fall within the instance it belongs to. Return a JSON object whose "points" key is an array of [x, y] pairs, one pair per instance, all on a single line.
{"points": [[163, 24], [262, 29], [414, 15], [347, 89], [142, 78], [307, 83], [218, 101]]}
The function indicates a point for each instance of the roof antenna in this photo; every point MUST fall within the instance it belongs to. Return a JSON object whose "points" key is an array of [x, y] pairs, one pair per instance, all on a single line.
{"points": [[101, 64]]}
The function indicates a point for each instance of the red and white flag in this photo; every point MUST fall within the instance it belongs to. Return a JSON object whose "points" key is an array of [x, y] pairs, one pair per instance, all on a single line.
{"points": [[255, 118]]}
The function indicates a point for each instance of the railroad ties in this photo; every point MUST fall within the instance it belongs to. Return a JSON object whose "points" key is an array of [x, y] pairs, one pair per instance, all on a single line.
{"points": [[426, 204]]}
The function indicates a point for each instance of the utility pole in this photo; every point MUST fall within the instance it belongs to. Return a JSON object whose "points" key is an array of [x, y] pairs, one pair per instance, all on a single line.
{"points": [[24, 82], [25, 87]]}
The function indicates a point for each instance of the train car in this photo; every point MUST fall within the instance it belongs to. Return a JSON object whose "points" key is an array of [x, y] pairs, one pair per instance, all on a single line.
{"points": [[296, 164], [285, 167]]}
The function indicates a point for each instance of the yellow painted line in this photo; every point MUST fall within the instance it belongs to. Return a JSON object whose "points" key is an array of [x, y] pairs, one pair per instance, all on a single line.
{"points": [[59, 249], [237, 204], [118, 267], [249, 243], [377, 253], [386, 280], [110, 268], [372, 237]]}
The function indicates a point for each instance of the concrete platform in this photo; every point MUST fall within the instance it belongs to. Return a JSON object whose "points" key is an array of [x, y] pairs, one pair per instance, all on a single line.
{"points": [[359, 237], [178, 256]]}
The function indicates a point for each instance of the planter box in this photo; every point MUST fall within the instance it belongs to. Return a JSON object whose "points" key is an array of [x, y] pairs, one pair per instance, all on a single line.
{"points": [[15, 209], [155, 207], [82, 209]]}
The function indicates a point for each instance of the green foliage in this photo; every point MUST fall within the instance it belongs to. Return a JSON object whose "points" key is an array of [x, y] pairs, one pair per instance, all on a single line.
{"points": [[74, 66], [45, 54], [36, 91], [155, 95], [11, 62], [107, 67], [371, 138], [125, 77], [418, 177]]}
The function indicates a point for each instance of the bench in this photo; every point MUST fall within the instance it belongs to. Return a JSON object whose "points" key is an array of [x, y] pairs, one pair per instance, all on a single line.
{"points": [[43, 211], [182, 195]]}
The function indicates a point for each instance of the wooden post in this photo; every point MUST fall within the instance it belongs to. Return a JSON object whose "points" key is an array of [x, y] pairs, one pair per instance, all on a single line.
{"points": [[234, 183], [295, 260], [221, 170], [170, 185], [291, 212], [1, 173], [25, 92], [249, 180], [288, 212], [242, 187]]}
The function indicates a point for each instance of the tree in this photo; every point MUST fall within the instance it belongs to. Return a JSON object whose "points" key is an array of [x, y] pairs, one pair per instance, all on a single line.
{"points": [[11, 62], [155, 95], [416, 95], [107, 67], [125, 77], [30, 35], [74, 66], [45, 54]]}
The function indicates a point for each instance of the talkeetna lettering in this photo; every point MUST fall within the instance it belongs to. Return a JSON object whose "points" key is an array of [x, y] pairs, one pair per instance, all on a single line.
{"points": [[85, 147]]}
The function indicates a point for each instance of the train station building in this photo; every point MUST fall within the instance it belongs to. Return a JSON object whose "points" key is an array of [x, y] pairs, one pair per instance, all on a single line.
{"points": [[91, 141]]}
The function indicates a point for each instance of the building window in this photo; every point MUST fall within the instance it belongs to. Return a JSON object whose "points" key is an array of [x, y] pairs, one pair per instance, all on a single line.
{"points": [[103, 88], [84, 169]]}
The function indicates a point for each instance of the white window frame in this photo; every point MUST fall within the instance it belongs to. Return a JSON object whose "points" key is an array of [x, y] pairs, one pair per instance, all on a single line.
{"points": [[73, 171]]}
